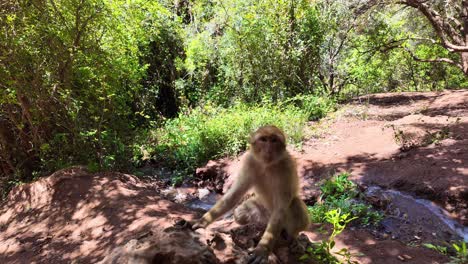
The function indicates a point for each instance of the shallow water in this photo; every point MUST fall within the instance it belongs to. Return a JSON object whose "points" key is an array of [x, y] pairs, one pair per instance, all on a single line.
{"points": [[204, 204], [418, 216]]}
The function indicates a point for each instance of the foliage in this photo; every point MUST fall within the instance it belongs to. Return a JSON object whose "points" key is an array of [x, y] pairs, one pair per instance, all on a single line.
{"points": [[248, 49], [338, 206], [315, 107], [440, 249], [83, 82], [211, 132], [460, 255], [72, 89], [322, 251], [341, 193]]}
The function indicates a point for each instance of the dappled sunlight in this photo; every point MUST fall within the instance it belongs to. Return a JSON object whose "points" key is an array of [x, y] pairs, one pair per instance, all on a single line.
{"points": [[434, 171], [83, 217]]}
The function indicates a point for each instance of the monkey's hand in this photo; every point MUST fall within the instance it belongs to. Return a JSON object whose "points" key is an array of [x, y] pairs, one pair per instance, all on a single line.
{"points": [[258, 256], [200, 223]]}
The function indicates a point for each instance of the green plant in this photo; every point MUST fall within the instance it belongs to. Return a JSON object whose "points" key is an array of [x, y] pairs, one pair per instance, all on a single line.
{"points": [[211, 132], [322, 251], [440, 249], [340, 192], [315, 107], [461, 253], [339, 185]]}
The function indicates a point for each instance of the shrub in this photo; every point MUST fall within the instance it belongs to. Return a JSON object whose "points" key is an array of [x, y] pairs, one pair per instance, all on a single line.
{"points": [[210, 132], [341, 193]]}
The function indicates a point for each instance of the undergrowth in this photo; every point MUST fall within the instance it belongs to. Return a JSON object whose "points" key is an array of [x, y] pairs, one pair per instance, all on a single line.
{"points": [[457, 251], [211, 132], [338, 206], [340, 192]]}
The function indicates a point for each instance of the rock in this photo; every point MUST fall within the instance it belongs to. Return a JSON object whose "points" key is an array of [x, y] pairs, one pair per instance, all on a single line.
{"points": [[172, 246], [213, 174], [376, 197], [202, 193]]}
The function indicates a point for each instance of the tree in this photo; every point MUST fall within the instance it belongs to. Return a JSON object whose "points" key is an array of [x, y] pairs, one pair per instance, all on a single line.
{"points": [[449, 19]]}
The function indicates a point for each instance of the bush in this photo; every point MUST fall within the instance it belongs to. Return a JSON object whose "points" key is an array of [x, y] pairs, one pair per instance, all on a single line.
{"points": [[315, 107], [209, 132], [341, 193]]}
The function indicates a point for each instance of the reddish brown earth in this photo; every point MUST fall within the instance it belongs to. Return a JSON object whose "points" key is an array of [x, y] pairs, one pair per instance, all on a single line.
{"points": [[74, 216], [360, 139]]}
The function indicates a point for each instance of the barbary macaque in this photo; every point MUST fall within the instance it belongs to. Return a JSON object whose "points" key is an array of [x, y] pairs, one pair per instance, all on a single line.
{"points": [[271, 172]]}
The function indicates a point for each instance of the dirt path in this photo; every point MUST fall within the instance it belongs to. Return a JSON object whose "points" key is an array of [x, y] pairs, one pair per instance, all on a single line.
{"points": [[362, 140]]}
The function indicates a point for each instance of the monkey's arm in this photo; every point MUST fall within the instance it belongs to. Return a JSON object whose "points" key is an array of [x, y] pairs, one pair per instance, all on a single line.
{"points": [[276, 221], [228, 201], [273, 230]]}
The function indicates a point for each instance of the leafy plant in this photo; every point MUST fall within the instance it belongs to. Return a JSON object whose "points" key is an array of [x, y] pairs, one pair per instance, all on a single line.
{"points": [[440, 249], [340, 192], [210, 132], [339, 185], [322, 251], [461, 255]]}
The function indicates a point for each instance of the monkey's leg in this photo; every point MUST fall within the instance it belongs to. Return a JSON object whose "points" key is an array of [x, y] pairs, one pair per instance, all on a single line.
{"points": [[250, 211], [297, 220]]}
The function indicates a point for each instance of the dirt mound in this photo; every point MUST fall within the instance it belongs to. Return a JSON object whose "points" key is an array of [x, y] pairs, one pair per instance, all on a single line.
{"points": [[74, 215]]}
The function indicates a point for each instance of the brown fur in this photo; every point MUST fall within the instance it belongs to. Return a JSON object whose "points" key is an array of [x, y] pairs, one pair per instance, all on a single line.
{"points": [[271, 172]]}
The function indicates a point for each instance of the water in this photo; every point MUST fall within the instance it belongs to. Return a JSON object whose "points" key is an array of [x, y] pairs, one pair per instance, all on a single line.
{"points": [[418, 215], [204, 204]]}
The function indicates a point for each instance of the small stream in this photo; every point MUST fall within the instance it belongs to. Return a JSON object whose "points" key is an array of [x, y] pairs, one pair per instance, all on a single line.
{"points": [[204, 203], [407, 216]]}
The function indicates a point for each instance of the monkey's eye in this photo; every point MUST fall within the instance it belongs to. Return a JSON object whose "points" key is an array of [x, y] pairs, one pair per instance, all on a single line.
{"points": [[274, 140], [263, 139]]}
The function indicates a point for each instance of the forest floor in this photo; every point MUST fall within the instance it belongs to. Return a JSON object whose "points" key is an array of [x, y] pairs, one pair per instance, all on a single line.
{"points": [[413, 143]]}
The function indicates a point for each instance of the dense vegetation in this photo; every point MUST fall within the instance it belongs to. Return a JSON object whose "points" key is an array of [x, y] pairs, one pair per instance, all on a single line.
{"points": [[109, 84]]}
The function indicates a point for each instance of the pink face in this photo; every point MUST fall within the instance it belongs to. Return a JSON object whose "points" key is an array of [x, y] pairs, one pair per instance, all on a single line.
{"points": [[268, 143]]}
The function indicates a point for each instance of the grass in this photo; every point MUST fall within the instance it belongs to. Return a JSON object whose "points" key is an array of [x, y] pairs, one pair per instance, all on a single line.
{"points": [[212, 132]]}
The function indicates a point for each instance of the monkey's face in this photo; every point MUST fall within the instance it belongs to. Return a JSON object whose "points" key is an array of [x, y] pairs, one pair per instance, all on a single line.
{"points": [[268, 143]]}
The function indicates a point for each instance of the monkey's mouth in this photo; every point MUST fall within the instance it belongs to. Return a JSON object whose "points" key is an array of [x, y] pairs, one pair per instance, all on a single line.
{"points": [[268, 158]]}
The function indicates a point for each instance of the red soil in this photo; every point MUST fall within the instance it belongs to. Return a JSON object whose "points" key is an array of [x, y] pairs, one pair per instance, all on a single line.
{"points": [[363, 142], [80, 217]]}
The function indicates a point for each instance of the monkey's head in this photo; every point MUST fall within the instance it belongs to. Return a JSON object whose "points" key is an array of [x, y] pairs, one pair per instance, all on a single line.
{"points": [[268, 143]]}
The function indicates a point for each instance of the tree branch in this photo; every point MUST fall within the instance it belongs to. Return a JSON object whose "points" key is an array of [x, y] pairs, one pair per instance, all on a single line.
{"points": [[437, 60], [442, 28]]}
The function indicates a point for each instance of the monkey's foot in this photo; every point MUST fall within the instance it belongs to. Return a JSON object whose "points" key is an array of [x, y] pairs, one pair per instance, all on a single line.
{"points": [[296, 247], [258, 256], [183, 224]]}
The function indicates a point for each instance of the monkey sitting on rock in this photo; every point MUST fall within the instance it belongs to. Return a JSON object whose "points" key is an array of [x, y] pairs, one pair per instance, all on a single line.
{"points": [[270, 171]]}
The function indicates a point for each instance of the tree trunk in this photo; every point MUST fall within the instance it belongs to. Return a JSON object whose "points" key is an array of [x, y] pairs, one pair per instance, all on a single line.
{"points": [[464, 60]]}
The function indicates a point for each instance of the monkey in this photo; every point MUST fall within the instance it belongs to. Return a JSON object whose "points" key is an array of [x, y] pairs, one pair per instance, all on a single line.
{"points": [[268, 169]]}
